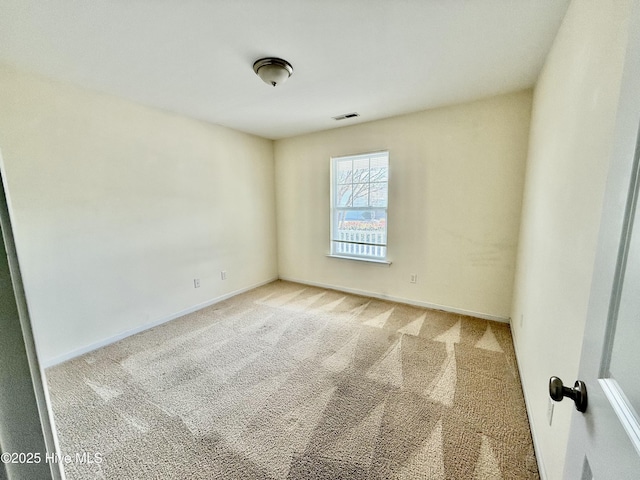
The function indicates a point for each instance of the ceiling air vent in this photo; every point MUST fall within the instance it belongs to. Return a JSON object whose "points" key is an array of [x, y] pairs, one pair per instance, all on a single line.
{"points": [[346, 115]]}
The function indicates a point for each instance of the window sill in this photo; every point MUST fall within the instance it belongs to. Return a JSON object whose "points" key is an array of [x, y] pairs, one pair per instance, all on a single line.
{"points": [[361, 259]]}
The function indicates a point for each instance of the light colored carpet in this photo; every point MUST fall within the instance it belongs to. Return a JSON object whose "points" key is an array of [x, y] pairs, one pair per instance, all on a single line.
{"points": [[296, 382]]}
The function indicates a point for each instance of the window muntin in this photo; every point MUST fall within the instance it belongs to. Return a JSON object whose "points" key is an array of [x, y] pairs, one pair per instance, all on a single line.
{"points": [[359, 199]]}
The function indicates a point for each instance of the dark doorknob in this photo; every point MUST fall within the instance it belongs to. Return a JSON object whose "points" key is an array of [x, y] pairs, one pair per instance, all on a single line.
{"points": [[557, 391]]}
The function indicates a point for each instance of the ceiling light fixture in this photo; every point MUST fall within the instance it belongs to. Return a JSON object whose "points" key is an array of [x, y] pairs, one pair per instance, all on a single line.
{"points": [[273, 71]]}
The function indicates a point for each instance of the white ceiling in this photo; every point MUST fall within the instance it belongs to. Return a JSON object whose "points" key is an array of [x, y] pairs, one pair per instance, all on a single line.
{"points": [[376, 57]]}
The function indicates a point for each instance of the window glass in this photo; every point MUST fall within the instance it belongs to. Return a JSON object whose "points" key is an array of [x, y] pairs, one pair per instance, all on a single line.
{"points": [[359, 205]]}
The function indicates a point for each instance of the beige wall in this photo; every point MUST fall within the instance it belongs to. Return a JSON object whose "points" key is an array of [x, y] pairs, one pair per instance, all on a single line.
{"points": [[117, 208], [572, 124], [454, 204]]}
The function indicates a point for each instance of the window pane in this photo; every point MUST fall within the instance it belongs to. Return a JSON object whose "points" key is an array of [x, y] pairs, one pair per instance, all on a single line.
{"points": [[378, 194], [359, 208], [343, 171], [361, 195], [379, 170], [344, 195], [362, 226], [356, 250], [361, 170]]}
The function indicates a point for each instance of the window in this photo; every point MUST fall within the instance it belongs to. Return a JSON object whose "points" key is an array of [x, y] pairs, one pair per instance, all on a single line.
{"points": [[359, 192]]}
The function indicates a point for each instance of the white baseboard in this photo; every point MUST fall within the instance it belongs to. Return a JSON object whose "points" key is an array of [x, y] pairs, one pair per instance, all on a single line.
{"points": [[417, 303], [50, 362], [541, 468]]}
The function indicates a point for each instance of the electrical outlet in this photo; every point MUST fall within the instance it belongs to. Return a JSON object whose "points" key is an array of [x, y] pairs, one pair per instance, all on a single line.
{"points": [[196, 283], [550, 411], [521, 319], [414, 278], [223, 275]]}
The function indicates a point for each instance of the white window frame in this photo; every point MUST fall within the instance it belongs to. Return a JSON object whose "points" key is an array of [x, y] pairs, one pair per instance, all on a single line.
{"points": [[364, 248]]}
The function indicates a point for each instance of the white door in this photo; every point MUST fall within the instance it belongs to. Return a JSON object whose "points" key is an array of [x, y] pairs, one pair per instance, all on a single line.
{"points": [[604, 441]]}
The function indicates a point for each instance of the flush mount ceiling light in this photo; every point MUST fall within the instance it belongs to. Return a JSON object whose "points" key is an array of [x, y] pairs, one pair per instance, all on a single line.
{"points": [[273, 71]]}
